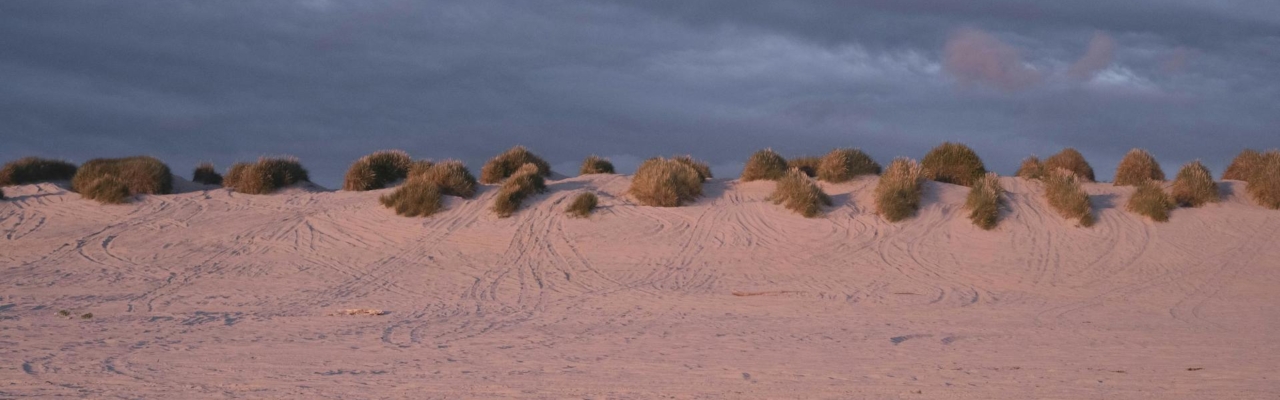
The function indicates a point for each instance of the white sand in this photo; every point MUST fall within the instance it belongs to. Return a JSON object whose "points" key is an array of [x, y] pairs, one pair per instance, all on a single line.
{"points": [[216, 294]]}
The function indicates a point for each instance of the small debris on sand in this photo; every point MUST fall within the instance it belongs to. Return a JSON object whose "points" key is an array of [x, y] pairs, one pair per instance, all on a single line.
{"points": [[360, 311]]}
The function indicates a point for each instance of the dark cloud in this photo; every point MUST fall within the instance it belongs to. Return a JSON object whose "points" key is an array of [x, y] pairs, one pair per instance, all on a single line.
{"points": [[329, 81]]}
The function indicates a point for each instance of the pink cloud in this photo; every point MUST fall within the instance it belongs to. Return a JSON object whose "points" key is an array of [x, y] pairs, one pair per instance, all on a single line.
{"points": [[977, 57], [1101, 52]]}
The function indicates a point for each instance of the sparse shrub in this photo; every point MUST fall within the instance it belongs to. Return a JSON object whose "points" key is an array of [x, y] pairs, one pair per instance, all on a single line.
{"points": [[841, 165], [807, 165], [377, 170], [1264, 181], [953, 163], [86, 316], [506, 164], [1243, 165], [1138, 167], [205, 174], [662, 182], [596, 165], [140, 174], [899, 190], [582, 205], [1062, 190], [984, 201], [1031, 168], [1194, 186], [29, 170], [797, 192], [419, 167], [764, 165], [415, 198], [107, 189], [1070, 160], [1151, 200], [524, 183], [265, 176], [451, 176], [703, 170]]}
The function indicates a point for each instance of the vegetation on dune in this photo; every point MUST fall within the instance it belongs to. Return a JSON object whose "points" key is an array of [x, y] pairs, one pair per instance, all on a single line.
{"points": [[841, 165], [415, 198], [451, 176], [377, 170], [703, 170], [764, 165], [107, 189], [1063, 191], [1150, 200], [524, 183], [265, 176], [506, 164], [582, 205], [1194, 186], [206, 174], [1264, 181], [595, 165], [1070, 160], [807, 165], [900, 188], [984, 201], [139, 175], [662, 182], [1136, 168], [418, 167], [953, 163], [1031, 168], [1243, 165], [28, 170], [797, 192]]}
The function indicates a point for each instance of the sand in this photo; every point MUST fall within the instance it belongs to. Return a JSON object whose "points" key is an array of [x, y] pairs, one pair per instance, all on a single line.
{"points": [[213, 294]]}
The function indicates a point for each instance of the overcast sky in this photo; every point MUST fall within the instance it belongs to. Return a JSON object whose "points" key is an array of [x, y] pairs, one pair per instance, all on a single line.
{"points": [[329, 81]]}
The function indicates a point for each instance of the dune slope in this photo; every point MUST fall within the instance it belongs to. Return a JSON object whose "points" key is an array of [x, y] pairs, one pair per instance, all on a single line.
{"points": [[214, 294]]}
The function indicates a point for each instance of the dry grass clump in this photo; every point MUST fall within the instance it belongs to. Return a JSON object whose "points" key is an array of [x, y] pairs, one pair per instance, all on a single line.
{"points": [[582, 205], [1062, 190], [524, 183], [797, 192], [1243, 165], [451, 176], [703, 170], [265, 176], [506, 164], [376, 170], [953, 163], [1194, 186], [1151, 200], [28, 170], [1031, 168], [807, 165], [205, 174], [415, 198], [1136, 168], [107, 189], [1070, 160], [841, 165], [140, 175], [662, 182], [369, 312], [1264, 181], [899, 190], [419, 167], [596, 165], [764, 165], [984, 201]]}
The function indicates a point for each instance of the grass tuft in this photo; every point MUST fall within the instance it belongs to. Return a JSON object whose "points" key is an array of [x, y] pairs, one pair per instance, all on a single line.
{"points": [[899, 190], [662, 182], [797, 192], [377, 170], [451, 176], [29, 170], [415, 198], [1264, 181], [107, 189], [596, 165], [205, 174], [506, 164], [953, 163], [582, 205], [265, 176], [1243, 165], [841, 165], [1063, 191], [1070, 160], [764, 165], [808, 165], [984, 201], [703, 170], [1031, 168], [1151, 200], [524, 183], [140, 174], [1136, 168], [1194, 186]]}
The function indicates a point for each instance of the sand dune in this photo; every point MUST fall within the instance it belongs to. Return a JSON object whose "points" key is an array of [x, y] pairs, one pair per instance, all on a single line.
{"points": [[210, 293]]}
